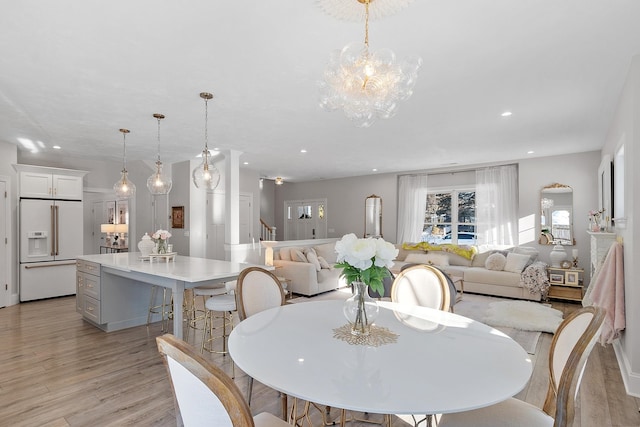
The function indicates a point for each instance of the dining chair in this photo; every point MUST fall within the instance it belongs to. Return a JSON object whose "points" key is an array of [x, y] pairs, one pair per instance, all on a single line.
{"points": [[203, 394], [453, 292], [422, 285], [258, 290], [568, 356]]}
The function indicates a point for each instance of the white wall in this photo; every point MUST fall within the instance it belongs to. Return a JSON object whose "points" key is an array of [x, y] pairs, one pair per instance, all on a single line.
{"points": [[626, 128]]}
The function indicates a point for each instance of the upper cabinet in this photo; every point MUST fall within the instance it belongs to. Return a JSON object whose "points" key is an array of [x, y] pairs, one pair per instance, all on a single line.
{"points": [[50, 183]]}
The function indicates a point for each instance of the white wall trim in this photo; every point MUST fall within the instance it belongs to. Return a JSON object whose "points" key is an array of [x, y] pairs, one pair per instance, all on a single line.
{"points": [[631, 380], [12, 298]]}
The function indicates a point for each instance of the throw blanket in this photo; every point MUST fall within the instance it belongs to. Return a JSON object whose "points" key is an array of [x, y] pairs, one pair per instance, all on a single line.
{"points": [[535, 278], [607, 291]]}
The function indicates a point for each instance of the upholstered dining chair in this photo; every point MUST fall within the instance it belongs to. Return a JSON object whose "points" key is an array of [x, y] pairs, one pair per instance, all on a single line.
{"points": [[422, 285], [452, 287], [258, 290], [203, 394], [568, 356]]}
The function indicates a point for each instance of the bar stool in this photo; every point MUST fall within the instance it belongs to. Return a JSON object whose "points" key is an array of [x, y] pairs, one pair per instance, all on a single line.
{"points": [[193, 316], [226, 305], [164, 309]]}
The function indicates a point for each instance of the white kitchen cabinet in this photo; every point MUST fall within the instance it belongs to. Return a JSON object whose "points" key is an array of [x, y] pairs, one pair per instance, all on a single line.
{"points": [[50, 183], [44, 185]]}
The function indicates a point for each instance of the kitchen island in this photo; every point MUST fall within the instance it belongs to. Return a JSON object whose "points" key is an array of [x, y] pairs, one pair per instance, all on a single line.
{"points": [[113, 290]]}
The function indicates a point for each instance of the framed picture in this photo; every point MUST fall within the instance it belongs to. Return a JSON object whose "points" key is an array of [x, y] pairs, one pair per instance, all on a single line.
{"points": [[177, 217], [571, 278], [558, 279]]}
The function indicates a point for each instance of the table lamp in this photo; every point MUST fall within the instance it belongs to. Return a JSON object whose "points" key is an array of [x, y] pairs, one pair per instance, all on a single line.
{"points": [[121, 230], [109, 229]]}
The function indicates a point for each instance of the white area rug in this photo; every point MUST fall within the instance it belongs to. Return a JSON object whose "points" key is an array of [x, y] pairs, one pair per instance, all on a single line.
{"points": [[523, 315]]}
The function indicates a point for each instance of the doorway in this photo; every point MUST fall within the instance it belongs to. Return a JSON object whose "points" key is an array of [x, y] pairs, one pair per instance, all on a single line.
{"points": [[5, 241], [305, 219]]}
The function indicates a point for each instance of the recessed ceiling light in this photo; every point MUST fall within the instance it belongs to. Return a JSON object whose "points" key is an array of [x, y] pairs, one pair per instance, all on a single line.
{"points": [[374, 169], [506, 114], [530, 152], [303, 151], [56, 147], [245, 163]]}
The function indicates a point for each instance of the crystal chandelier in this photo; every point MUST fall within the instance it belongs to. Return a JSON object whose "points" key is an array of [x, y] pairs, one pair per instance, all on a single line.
{"points": [[158, 183], [124, 188], [206, 175], [366, 84]]}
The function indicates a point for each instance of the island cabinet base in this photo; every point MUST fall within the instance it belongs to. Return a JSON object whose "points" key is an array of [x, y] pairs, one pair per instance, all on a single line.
{"points": [[109, 301]]}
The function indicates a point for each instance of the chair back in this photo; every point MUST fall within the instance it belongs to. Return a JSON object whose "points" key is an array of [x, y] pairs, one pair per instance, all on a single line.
{"points": [[203, 393], [570, 349], [257, 290], [422, 285]]}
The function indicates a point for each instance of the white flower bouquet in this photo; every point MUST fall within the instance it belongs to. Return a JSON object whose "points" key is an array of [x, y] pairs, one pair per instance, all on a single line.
{"points": [[365, 260]]}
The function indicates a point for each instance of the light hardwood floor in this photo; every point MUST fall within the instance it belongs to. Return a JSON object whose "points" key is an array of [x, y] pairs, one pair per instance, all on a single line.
{"points": [[57, 370]]}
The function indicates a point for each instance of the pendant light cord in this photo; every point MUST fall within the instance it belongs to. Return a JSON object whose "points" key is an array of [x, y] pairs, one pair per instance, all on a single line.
{"points": [[158, 139], [366, 24]]}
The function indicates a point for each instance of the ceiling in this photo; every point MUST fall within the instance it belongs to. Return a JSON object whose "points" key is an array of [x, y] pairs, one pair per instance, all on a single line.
{"points": [[72, 73]]}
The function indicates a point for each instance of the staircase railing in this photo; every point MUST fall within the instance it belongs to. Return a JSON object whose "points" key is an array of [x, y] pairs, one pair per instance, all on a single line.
{"points": [[267, 232]]}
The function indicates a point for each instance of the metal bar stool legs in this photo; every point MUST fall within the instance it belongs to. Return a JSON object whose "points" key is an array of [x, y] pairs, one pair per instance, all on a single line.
{"points": [[164, 309]]}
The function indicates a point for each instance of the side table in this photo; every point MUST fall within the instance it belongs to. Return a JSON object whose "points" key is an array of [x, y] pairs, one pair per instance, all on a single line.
{"points": [[566, 283]]}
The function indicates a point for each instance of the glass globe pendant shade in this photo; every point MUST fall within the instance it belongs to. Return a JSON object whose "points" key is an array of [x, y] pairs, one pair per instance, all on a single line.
{"points": [[124, 188], [206, 176], [157, 183]]}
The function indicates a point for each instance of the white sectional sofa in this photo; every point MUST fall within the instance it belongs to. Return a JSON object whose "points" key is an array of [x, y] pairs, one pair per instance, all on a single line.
{"points": [[472, 268], [308, 266]]}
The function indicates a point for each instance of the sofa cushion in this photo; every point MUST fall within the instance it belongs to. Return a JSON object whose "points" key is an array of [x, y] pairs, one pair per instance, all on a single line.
{"points": [[284, 254], [516, 262], [417, 257], [500, 278], [324, 264], [455, 259], [327, 251], [313, 259], [480, 259], [297, 255], [527, 250], [436, 259], [495, 262]]}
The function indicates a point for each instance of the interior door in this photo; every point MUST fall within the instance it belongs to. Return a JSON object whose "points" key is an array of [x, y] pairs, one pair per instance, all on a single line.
{"points": [[246, 218], [305, 219]]}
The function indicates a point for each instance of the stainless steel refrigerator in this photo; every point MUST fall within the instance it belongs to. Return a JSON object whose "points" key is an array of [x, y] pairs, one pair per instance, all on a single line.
{"points": [[50, 240]]}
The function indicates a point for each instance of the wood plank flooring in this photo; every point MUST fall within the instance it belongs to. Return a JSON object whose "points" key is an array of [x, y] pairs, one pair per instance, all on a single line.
{"points": [[57, 370]]}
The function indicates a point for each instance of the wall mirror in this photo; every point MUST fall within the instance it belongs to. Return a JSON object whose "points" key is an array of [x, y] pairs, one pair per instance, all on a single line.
{"points": [[373, 216], [556, 215]]}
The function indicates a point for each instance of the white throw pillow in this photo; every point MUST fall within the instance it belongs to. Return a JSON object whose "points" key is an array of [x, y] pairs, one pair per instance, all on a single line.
{"points": [[313, 259], [495, 262], [285, 254], [324, 264], [297, 255], [417, 258], [516, 262]]}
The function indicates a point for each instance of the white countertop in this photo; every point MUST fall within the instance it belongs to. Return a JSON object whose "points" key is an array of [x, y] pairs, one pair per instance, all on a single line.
{"points": [[184, 268], [441, 362]]}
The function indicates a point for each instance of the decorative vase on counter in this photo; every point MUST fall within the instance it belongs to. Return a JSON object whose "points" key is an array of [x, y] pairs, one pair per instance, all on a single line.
{"points": [[146, 245], [361, 310], [557, 255]]}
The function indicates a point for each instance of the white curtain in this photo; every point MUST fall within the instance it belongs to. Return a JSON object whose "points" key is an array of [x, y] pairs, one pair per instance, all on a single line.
{"points": [[412, 204], [497, 205]]}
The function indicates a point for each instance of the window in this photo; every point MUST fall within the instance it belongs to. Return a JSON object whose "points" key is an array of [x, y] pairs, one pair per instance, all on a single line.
{"points": [[450, 217]]}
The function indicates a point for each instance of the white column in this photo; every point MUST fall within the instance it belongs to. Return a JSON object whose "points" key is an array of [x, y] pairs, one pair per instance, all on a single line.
{"points": [[232, 203]]}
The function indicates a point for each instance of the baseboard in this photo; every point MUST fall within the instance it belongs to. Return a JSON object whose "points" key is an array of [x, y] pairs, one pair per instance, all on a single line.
{"points": [[631, 380]]}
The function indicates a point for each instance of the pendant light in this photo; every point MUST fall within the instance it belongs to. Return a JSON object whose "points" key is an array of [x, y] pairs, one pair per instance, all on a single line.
{"points": [[206, 176], [158, 183], [124, 188]]}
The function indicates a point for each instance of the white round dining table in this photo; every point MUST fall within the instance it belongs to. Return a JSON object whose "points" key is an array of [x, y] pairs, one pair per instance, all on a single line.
{"points": [[440, 362]]}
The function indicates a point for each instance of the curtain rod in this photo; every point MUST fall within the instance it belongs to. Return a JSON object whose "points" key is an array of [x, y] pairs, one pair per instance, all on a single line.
{"points": [[454, 171]]}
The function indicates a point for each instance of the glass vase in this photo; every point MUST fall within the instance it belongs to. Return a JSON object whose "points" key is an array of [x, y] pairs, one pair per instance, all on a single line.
{"points": [[361, 310], [162, 247]]}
